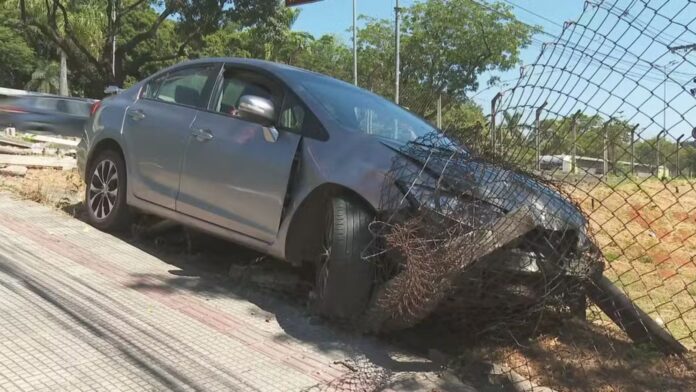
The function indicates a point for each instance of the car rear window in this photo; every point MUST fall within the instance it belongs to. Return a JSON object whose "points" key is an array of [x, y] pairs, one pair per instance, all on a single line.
{"points": [[75, 108], [188, 86], [45, 104]]}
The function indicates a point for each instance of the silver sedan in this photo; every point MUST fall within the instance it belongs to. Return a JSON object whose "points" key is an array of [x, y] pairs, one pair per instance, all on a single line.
{"points": [[285, 161]]}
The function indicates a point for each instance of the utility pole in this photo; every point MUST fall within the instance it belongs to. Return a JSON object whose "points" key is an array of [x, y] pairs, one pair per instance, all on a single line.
{"points": [[538, 131], [439, 112], [494, 103], [574, 125], [355, 47], [679, 147], [397, 33], [664, 93], [113, 37]]}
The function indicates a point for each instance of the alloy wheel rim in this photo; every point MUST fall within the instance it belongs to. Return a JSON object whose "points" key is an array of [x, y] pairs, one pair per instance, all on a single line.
{"points": [[103, 189]]}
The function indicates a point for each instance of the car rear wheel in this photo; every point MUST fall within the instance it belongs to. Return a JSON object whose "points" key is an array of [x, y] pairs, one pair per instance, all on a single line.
{"points": [[105, 194], [344, 279]]}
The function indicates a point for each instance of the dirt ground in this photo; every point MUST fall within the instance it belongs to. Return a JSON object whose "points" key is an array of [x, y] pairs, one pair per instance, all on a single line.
{"points": [[646, 232], [62, 189]]}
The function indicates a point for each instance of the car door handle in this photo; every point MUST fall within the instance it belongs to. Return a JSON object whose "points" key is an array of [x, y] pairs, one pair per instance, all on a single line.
{"points": [[202, 135], [136, 115]]}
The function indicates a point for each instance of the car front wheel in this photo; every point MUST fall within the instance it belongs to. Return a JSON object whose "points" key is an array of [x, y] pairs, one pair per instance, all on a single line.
{"points": [[105, 194], [344, 279]]}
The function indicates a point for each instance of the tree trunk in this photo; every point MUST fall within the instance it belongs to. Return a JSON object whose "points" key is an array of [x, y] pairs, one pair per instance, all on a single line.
{"points": [[63, 81]]}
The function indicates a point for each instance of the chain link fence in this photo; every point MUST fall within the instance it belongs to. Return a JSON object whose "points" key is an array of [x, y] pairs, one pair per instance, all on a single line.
{"points": [[560, 244]]}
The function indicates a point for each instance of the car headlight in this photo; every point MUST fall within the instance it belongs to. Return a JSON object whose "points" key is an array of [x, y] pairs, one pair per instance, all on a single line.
{"points": [[461, 208]]}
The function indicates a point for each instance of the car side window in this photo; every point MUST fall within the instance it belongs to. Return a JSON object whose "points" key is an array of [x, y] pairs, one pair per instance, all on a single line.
{"points": [[46, 104], [236, 84], [76, 108], [296, 117], [292, 116], [188, 87]]}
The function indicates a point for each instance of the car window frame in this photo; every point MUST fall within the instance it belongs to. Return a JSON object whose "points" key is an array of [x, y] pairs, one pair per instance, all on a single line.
{"points": [[208, 89], [287, 92]]}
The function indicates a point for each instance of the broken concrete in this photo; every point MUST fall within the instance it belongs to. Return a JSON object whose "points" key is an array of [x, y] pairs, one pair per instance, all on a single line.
{"points": [[35, 162], [70, 142], [12, 141], [13, 171]]}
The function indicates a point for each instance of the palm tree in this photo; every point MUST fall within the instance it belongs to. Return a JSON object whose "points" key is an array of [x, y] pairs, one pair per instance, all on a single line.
{"points": [[45, 78]]}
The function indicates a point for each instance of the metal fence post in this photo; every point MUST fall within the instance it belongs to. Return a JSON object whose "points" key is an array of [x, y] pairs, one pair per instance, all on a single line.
{"points": [[574, 125], [538, 130], [633, 149], [679, 147], [657, 156], [605, 131], [494, 103]]}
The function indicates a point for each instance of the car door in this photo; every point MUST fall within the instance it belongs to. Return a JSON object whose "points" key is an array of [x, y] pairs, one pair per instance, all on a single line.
{"points": [[41, 115], [157, 129], [70, 118], [233, 174]]}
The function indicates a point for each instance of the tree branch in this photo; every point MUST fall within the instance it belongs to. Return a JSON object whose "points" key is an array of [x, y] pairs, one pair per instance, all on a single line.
{"points": [[69, 32], [134, 66], [150, 33], [130, 8]]}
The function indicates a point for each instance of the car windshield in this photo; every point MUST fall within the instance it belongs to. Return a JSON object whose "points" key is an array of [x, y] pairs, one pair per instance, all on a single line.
{"points": [[363, 111]]}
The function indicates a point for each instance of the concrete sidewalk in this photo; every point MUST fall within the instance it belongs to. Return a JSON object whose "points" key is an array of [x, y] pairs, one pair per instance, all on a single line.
{"points": [[83, 310]]}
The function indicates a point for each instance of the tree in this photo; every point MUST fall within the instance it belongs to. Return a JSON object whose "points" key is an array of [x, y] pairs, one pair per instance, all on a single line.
{"points": [[45, 78], [466, 122], [18, 58], [446, 46], [109, 49]]}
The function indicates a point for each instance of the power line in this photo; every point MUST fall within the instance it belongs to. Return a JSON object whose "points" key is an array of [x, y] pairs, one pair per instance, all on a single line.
{"points": [[534, 13]]}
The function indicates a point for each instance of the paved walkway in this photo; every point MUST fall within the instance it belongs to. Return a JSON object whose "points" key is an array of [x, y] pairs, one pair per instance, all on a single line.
{"points": [[83, 310]]}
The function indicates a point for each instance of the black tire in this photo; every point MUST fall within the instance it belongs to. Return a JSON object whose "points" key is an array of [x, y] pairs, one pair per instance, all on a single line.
{"points": [[343, 279], [113, 214]]}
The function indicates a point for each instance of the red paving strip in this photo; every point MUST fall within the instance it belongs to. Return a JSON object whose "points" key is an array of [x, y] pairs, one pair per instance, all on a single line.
{"points": [[196, 309]]}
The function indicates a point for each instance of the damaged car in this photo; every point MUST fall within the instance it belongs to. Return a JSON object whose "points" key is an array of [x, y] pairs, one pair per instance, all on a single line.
{"points": [[294, 164]]}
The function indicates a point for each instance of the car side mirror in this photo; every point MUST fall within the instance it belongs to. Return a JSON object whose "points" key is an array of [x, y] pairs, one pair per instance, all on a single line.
{"points": [[257, 109]]}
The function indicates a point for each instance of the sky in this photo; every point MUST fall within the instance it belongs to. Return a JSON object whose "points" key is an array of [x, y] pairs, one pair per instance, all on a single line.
{"points": [[637, 103], [336, 17]]}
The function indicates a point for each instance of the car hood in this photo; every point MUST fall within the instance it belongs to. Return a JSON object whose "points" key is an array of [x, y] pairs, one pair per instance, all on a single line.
{"points": [[498, 186]]}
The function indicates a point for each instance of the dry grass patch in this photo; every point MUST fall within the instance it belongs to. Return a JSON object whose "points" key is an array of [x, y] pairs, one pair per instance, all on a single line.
{"points": [[54, 187], [647, 232]]}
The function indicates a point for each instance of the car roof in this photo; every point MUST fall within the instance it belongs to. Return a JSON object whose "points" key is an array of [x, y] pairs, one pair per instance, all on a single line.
{"points": [[279, 68]]}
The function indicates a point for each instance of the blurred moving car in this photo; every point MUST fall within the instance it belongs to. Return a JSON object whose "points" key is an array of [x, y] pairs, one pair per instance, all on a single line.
{"points": [[286, 161], [45, 114]]}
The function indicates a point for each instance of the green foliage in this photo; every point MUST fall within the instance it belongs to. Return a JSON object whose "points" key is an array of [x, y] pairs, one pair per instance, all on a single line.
{"points": [[446, 46], [44, 79], [18, 58], [149, 34], [466, 122]]}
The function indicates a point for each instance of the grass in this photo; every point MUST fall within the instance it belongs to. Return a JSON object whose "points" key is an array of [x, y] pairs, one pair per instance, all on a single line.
{"points": [[647, 232], [54, 187]]}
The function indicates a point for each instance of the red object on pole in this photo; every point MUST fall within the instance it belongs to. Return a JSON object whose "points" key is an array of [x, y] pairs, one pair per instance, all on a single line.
{"points": [[291, 3]]}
